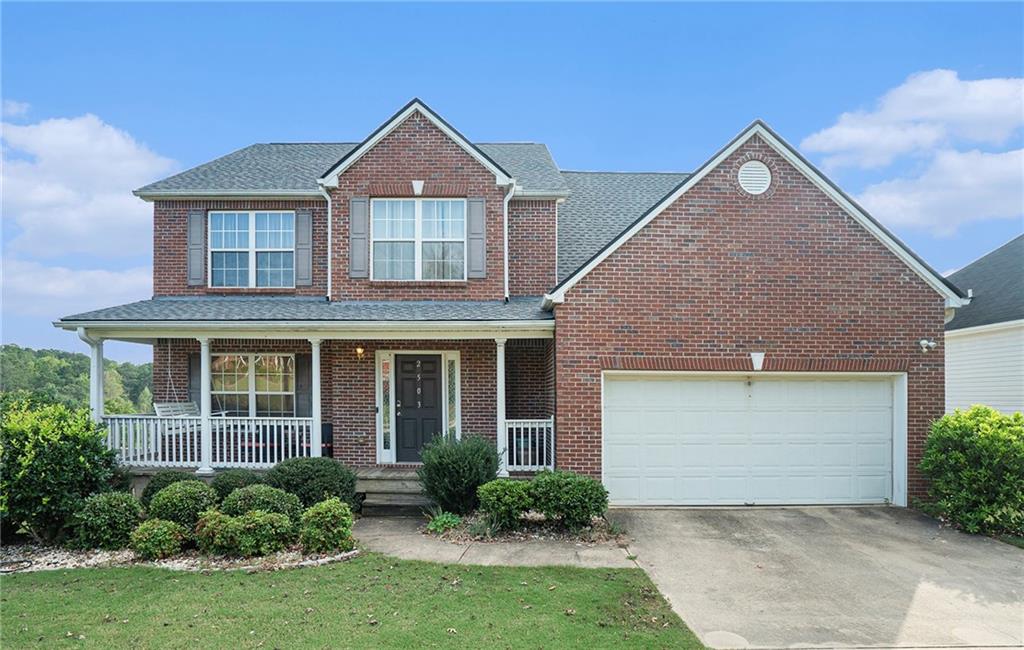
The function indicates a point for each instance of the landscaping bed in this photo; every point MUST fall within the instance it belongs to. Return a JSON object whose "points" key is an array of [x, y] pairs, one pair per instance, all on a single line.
{"points": [[532, 526]]}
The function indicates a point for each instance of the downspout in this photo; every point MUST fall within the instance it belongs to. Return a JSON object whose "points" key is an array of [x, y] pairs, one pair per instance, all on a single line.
{"points": [[504, 210], [330, 239]]}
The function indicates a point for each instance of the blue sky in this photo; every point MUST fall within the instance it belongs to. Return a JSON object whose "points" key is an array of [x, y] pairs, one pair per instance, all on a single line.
{"points": [[914, 109]]}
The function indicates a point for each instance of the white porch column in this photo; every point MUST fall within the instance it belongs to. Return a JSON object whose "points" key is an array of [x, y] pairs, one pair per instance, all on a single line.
{"points": [[95, 374], [500, 407], [316, 435], [205, 408]]}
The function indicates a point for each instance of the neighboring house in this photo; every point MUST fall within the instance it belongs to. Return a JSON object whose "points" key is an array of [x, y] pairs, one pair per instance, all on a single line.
{"points": [[985, 342], [744, 333]]}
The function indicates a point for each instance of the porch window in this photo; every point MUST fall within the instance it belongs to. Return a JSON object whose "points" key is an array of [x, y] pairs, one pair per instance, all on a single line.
{"points": [[252, 249], [253, 385], [418, 239]]}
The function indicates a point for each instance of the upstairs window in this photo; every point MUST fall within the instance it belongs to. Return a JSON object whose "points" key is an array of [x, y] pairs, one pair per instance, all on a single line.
{"points": [[418, 239], [252, 249]]}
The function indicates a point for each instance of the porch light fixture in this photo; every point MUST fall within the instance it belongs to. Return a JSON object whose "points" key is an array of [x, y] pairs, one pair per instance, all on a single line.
{"points": [[359, 353]]}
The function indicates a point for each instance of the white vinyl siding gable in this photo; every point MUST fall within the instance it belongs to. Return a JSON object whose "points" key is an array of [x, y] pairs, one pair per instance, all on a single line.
{"points": [[985, 366]]}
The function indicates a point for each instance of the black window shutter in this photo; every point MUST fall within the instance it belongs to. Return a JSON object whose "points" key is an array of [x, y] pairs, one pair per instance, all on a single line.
{"points": [[303, 385]]}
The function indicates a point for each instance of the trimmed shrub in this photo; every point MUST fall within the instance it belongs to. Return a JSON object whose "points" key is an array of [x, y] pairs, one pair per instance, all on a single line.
{"points": [[217, 533], [571, 497], [263, 533], [505, 500], [107, 520], [314, 479], [155, 539], [183, 502], [224, 483], [453, 469], [975, 462], [265, 498], [326, 527], [50, 459], [160, 480]]}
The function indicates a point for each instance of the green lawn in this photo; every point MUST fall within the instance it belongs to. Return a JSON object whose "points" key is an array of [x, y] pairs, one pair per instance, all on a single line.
{"points": [[371, 601]]}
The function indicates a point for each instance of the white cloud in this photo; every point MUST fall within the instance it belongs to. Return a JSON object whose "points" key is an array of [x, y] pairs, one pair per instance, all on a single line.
{"points": [[67, 188], [930, 110], [32, 289], [12, 108], [957, 187]]}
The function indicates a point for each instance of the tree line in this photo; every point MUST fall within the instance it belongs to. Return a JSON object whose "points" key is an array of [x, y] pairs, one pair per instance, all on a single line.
{"points": [[57, 376]]}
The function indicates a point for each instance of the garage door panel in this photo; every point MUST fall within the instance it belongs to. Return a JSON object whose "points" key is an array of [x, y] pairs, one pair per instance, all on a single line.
{"points": [[699, 441]]}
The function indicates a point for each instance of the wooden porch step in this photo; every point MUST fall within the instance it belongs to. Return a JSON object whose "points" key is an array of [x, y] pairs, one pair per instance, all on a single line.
{"points": [[390, 486], [378, 504], [390, 491]]}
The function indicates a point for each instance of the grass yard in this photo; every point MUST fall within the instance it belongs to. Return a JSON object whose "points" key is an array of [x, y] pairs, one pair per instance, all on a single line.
{"points": [[371, 601]]}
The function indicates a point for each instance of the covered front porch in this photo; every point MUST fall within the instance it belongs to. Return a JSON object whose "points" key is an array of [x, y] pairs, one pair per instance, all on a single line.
{"points": [[371, 399]]}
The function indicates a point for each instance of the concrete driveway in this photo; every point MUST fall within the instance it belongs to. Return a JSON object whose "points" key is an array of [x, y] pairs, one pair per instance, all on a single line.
{"points": [[828, 577]]}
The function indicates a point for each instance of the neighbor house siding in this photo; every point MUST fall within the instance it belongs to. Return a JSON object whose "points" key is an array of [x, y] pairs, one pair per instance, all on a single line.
{"points": [[418, 150], [170, 247], [986, 366], [720, 274]]}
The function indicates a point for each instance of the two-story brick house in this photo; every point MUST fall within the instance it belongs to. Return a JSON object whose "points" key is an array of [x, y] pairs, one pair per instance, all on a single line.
{"points": [[741, 334]]}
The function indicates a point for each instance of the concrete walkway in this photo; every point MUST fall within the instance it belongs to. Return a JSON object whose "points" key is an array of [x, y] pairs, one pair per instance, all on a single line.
{"points": [[400, 537], [830, 577]]}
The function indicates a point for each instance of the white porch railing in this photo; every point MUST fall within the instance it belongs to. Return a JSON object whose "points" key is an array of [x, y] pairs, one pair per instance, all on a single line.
{"points": [[152, 441], [531, 444]]}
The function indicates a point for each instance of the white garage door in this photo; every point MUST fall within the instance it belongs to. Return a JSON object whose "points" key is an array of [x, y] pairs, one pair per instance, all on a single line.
{"points": [[670, 440]]}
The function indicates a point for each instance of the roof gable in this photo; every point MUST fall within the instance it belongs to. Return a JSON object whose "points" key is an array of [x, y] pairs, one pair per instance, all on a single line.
{"points": [[330, 177], [953, 296], [997, 282]]}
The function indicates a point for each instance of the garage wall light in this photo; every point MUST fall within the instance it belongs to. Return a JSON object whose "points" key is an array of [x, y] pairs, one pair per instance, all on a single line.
{"points": [[926, 345]]}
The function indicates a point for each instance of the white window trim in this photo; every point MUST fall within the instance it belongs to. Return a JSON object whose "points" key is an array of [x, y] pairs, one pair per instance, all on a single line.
{"points": [[418, 239], [387, 456], [252, 381], [252, 250]]}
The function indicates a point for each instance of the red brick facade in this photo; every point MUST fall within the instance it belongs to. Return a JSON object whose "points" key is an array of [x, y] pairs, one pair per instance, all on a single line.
{"points": [[418, 150], [170, 247], [720, 274], [529, 379], [531, 247]]}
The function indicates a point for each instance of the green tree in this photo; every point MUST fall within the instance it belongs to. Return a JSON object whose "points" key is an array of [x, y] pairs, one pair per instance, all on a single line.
{"points": [[145, 402]]}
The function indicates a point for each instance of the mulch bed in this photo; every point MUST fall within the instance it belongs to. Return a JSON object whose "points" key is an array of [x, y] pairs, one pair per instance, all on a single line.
{"points": [[533, 527], [34, 557]]}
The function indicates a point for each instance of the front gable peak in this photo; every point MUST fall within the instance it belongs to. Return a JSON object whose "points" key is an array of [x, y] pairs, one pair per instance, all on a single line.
{"points": [[330, 177]]}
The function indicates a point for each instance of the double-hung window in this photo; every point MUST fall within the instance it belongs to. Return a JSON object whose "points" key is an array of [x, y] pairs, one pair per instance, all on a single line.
{"points": [[252, 249], [418, 239], [253, 385]]}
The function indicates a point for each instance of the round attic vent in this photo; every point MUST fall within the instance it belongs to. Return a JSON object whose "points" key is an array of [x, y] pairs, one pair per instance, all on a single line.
{"points": [[755, 177]]}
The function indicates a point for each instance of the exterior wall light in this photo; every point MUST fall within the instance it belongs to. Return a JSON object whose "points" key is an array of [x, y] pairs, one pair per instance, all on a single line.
{"points": [[926, 345], [360, 352]]}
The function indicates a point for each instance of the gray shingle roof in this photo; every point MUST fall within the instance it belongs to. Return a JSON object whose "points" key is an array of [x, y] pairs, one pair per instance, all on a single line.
{"points": [[294, 167], [600, 206], [998, 283], [269, 308]]}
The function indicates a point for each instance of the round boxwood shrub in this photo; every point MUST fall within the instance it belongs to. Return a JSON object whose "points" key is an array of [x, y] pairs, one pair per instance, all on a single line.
{"points": [[505, 500], [107, 520], [571, 497], [50, 459], [974, 460], [262, 497], [263, 533], [183, 502], [224, 483], [314, 479], [155, 539], [453, 469], [326, 527], [217, 533], [160, 480]]}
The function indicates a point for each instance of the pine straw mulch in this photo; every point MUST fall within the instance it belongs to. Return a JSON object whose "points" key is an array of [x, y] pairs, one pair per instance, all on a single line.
{"points": [[532, 527], [35, 557]]}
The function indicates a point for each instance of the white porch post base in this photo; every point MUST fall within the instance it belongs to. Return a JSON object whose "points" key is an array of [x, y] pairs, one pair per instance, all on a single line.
{"points": [[502, 439], [316, 435], [205, 408]]}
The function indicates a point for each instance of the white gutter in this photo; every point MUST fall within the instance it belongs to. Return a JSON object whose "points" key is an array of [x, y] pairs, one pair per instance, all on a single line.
{"points": [[330, 239], [504, 212]]}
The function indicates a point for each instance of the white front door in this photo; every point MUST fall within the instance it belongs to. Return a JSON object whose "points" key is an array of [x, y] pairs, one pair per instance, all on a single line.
{"points": [[697, 440]]}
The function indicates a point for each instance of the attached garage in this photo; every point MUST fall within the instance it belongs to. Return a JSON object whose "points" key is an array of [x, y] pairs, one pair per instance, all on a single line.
{"points": [[698, 439]]}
